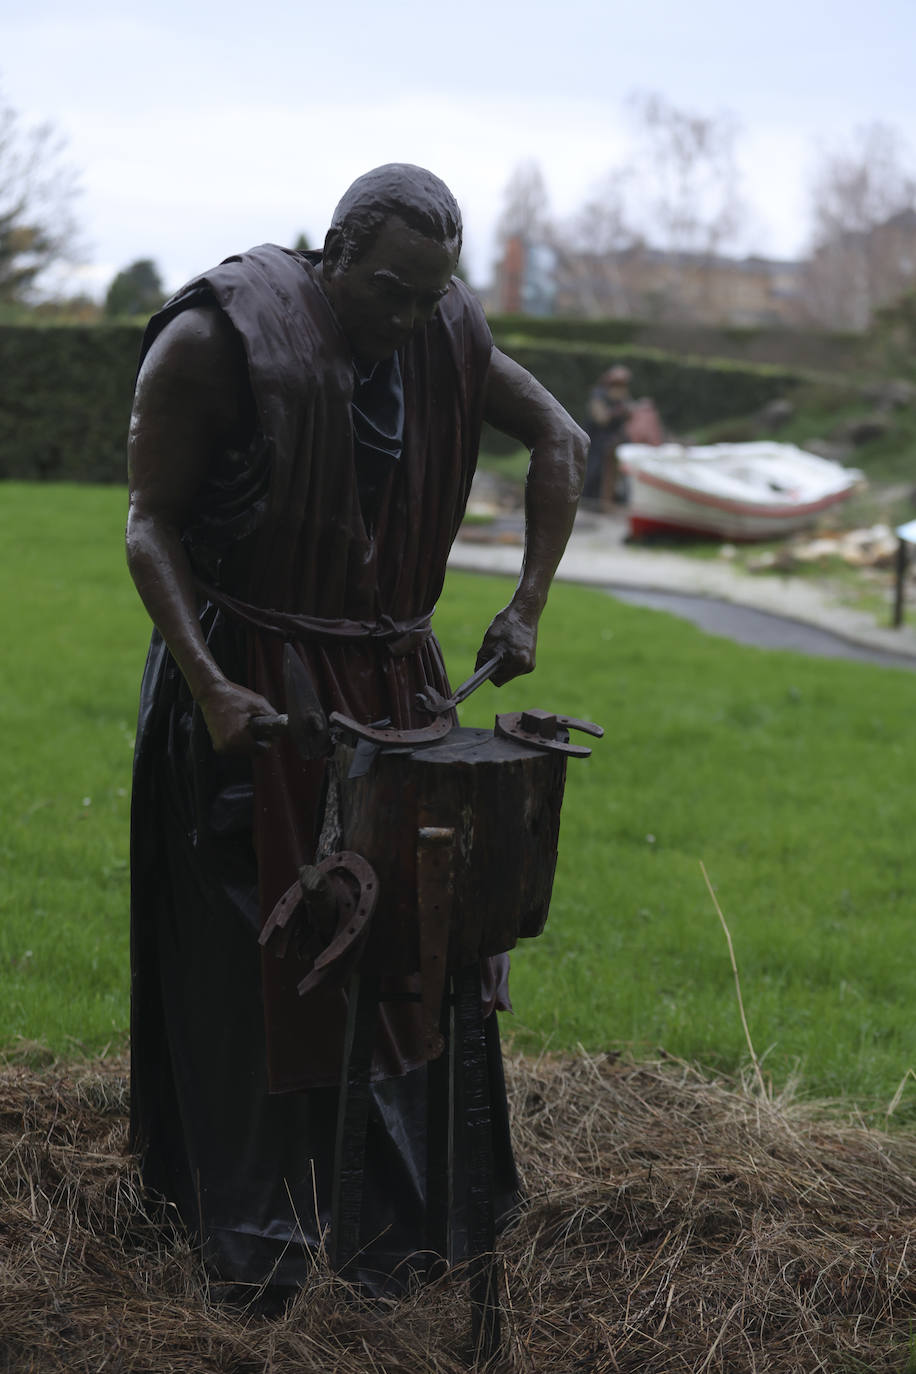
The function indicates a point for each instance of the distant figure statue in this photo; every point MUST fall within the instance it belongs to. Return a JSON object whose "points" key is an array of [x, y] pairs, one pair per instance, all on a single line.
{"points": [[614, 418]]}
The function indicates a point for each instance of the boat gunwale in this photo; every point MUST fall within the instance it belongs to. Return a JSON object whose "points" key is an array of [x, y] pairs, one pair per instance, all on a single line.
{"points": [[694, 497]]}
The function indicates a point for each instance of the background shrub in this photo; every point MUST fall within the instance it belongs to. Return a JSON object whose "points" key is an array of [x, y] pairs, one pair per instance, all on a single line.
{"points": [[688, 392], [65, 394], [821, 350], [65, 389]]}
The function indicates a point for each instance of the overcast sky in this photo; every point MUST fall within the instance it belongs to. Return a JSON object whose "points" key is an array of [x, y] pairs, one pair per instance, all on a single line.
{"points": [[200, 128]]}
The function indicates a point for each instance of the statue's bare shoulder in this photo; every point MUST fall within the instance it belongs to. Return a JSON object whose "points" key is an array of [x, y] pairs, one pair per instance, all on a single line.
{"points": [[192, 367], [190, 401]]}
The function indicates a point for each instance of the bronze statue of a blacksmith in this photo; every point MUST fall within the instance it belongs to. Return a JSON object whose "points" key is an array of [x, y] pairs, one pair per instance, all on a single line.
{"points": [[304, 434]]}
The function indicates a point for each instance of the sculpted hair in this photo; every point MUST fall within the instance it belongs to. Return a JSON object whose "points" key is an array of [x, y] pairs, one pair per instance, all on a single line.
{"points": [[415, 195]]}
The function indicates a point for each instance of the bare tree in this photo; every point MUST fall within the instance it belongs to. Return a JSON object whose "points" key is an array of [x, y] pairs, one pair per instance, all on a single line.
{"points": [[526, 204], [37, 190], [596, 251], [647, 239], [685, 183], [525, 273], [688, 169], [863, 244]]}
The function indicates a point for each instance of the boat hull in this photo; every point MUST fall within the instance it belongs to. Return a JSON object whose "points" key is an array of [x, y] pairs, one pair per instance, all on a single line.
{"points": [[742, 493]]}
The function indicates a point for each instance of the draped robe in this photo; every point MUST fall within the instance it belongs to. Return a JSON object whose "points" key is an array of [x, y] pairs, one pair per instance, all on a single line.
{"points": [[232, 1108]]}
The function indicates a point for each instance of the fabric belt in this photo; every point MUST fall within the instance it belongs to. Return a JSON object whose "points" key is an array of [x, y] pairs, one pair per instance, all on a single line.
{"points": [[398, 637]]}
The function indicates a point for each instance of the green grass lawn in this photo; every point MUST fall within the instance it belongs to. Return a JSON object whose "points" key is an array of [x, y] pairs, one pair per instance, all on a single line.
{"points": [[791, 778], [73, 637]]}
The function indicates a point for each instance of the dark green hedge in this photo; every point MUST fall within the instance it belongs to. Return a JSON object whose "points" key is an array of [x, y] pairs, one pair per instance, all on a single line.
{"points": [[818, 350], [65, 394], [687, 391], [65, 391], [566, 330], [893, 338]]}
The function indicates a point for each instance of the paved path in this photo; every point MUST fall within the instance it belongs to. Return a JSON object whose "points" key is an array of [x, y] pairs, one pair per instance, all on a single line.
{"points": [[791, 612]]}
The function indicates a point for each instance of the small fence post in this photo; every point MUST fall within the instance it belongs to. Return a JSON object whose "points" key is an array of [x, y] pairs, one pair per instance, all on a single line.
{"points": [[900, 583]]}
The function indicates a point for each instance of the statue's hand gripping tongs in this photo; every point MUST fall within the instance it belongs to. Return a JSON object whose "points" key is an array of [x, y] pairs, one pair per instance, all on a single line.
{"points": [[437, 704]]}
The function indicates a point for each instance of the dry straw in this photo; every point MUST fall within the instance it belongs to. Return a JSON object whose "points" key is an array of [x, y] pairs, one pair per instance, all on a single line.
{"points": [[676, 1222]]}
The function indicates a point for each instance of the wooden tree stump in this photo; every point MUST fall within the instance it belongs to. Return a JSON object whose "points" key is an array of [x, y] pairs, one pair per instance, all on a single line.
{"points": [[501, 801]]}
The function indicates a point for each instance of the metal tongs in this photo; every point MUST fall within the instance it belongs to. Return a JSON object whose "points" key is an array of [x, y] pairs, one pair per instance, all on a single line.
{"points": [[434, 702]]}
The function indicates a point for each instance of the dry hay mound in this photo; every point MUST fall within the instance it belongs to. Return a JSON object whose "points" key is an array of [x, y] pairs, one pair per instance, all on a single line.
{"points": [[675, 1223]]}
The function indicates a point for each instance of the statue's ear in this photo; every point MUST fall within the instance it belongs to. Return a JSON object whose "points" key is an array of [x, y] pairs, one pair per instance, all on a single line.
{"points": [[332, 251]]}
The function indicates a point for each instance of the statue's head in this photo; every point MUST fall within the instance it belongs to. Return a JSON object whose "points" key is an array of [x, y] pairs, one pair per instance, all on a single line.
{"points": [[389, 255], [617, 380]]}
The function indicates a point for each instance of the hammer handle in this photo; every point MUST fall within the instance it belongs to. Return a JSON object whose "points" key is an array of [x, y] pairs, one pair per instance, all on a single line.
{"points": [[268, 727]]}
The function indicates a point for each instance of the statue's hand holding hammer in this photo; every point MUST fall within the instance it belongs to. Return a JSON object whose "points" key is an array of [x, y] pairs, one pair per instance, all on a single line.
{"points": [[228, 711], [512, 637]]}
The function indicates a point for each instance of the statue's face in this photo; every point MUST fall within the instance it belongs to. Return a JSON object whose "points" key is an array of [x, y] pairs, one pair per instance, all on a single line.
{"points": [[393, 289]]}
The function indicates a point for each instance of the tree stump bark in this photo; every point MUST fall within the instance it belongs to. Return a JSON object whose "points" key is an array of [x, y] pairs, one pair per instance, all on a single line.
{"points": [[501, 800]]}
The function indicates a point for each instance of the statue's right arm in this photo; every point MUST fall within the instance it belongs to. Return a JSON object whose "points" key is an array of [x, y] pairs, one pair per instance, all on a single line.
{"points": [[185, 410]]}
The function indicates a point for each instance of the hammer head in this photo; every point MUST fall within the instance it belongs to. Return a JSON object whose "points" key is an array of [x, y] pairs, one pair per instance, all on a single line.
{"points": [[308, 724]]}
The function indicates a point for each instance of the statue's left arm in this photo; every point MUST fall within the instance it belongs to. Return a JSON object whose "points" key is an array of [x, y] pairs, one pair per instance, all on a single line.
{"points": [[520, 407]]}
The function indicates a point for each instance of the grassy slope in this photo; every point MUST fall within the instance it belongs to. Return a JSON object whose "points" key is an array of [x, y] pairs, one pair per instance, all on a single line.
{"points": [[822, 413], [789, 777]]}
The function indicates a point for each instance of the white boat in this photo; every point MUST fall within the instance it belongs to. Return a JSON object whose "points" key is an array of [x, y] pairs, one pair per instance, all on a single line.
{"points": [[730, 491]]}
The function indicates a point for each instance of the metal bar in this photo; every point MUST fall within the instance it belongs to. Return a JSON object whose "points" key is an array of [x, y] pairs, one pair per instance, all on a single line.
{"points": [[435, 899], [476, 1128], [439, 1160], [900, 582], [352, 1120]]}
